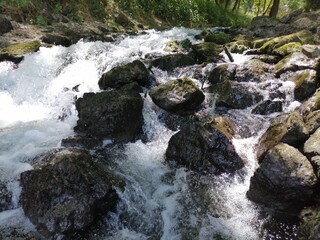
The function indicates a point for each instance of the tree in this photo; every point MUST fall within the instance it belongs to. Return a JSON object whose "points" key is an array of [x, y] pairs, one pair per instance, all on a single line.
{"points": [[274, 9]]}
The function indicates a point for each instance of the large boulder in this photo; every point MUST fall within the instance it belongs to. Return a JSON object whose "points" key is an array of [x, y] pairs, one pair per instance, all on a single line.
{"points": [[178, 96], [263, 26], [306, 83], [253, 71], [15, 52], [312, 151], [288, 129], [284, 181], [311, 51], [294, 62], [206, 52], [66, 192], [56, 39], [119, 76], [312, 121], [116, 114], [170, 62], [218, 38], [205, 147], [5, 25]]}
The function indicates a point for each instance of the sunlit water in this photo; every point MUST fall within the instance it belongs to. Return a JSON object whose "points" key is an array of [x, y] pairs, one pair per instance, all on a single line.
{"points": [[37, 111]]}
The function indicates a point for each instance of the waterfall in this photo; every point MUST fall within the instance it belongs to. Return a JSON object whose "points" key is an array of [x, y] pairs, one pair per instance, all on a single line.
{"points": [[37, 111]]}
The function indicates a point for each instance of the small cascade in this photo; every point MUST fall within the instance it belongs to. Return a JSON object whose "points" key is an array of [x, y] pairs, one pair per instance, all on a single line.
{"points": [[159, 202]]}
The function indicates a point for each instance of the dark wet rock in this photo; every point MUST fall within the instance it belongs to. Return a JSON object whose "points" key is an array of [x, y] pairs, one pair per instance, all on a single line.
{"points": [[206, 52], [178, 96], [68, 193], [311, 146], [309, 227], [252, 71], [284, 181], [312, 121], [294, 62], [306, 83], [311, 51], [221, 73], [288, 129], [170, 62], [271, 59], [268, 107], [5, 25], [5, 198], [235, 95], [81, 142], [311, 104], [205, 147], [56, 39], [119, 76], [116, 115], [174, 121]]}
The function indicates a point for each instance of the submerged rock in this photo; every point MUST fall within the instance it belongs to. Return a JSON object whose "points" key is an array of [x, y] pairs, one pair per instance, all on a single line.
{"points": [[205, 147], [116, 114], [67, 192], [119, 76], [284, 181], [170, 62], [178, 96]]}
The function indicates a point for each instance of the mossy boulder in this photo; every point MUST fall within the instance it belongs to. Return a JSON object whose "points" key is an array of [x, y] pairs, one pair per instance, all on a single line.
{"points": [[178, 96], [206, 52], [306, 83], [288, 48], [218, 38], [221, 73], [289, 129], [21, 48], [170, 62], [119, 76], [238, 46], [178, 46], [267, 107], [284, 181], [258, 43], [312, 121], [205, 147], [303, 37], [253, 70], [312, 104], [294, 62]]}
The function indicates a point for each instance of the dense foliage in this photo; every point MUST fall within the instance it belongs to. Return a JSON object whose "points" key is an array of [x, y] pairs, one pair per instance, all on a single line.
{"points": [[173, 12]]}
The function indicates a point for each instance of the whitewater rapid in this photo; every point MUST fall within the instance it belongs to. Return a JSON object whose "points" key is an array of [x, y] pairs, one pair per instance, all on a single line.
{"points": [[37, 111]]}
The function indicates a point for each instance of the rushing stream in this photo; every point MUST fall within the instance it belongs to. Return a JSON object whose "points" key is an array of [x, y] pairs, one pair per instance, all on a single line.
{"points": [[37, 111]]}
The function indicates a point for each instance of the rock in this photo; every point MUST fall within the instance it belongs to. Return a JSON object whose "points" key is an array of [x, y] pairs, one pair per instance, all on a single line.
{"points": [[67, 193], [306, 84], [116, 115], [238, 46], [119, 76], [5, 198], [218, 38], [178, 96], [221, 73], [21, 48], [81, 142], [206, 52], [284, 181], [56, 39], [309, 227], [311, 146], [302, 37], [270, 59], [252, 71], [178, 46], [234, 95], [294, 62], [313, 121], [288, 48], [265, 27], [311, 51], [258, 43], [122, 19], [267, 107], [5, 25], [170, 62], [312, 104], [288, 129], [205, 147]]}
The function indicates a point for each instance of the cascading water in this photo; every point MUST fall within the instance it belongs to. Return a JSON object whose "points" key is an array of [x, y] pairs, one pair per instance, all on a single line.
{"points": [[37, 111]]}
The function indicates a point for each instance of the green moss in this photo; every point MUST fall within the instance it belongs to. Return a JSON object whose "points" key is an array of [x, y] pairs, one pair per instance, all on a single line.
{"points": [[218, 38], [259, 42], [288, 48], [21, 48], [300, 78], [206, 51]]}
